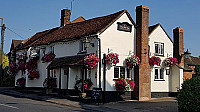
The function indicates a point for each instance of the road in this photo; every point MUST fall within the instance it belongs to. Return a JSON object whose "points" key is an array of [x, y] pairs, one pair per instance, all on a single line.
{"points": [[13, 104]]}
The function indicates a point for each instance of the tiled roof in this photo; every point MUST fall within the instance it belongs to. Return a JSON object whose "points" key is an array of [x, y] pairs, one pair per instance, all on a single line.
{"points": [[75, 30], [190, 61], [15, 43], [153, 27], [67, 61], [79, 19], [37, 36]]}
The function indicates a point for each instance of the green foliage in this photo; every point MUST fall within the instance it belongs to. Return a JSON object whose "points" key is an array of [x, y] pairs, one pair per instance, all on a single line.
{"points": [[197, 69], [8, 81], [189, 96]]}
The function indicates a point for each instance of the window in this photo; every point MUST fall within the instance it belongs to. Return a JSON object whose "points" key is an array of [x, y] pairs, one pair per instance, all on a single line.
{"points": [[53, 73], [159, 74], [121, 72], [82, 47], [159, 49], [52, 49]]}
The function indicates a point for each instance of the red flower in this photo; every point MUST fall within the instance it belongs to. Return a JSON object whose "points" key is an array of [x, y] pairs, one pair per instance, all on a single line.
{"points": [[132, 61], [33, 74], [91, 61], [154, 60], [21, 82], [112, 58], [170, 61], [48, 57]]}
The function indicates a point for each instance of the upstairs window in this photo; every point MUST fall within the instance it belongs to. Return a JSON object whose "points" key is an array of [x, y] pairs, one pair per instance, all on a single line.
{"points": [[82, 47], [159, 49]]}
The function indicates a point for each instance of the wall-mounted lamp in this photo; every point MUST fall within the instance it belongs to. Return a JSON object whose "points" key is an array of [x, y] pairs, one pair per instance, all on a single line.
{"points": [[87, 43], [167, 71]]}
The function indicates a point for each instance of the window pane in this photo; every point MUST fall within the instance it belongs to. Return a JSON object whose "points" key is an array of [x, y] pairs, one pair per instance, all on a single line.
{"points": [[128, 73], [162, 49], [122, 72], [161, 73], [116, 72], [156, 73], [156, 48]]}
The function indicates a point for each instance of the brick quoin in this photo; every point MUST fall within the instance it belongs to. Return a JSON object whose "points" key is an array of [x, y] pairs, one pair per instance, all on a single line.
{"points": [[142, 90]]}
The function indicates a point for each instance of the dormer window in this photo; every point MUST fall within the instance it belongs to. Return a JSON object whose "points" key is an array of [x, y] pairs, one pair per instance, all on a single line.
{"points": [[159, 49]]}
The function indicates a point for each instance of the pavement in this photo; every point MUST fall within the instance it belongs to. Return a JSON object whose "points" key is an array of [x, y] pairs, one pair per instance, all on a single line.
{"points": [[167, 104]]}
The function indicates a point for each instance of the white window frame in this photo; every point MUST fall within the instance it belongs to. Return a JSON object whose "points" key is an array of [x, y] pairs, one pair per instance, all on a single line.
{"points": [[82, 47], [119, 74], [52, 49], [160, 48], [157, 77]]}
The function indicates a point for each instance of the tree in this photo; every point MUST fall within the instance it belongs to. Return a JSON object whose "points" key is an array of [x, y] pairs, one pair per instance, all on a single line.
{"points": [[5, 61]]}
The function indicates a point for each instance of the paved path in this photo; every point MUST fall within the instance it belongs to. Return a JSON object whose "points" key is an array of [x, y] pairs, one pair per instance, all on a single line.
{"points": [[13, 104], [155, 105]]}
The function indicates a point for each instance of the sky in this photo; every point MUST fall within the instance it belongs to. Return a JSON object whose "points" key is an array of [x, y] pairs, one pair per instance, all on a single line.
{"points": [[24, 18]]}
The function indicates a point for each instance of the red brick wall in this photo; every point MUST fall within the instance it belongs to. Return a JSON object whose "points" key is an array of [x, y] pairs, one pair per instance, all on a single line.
{"points": [[188, 75], [65, 17], [143, 73], [178, 45]]}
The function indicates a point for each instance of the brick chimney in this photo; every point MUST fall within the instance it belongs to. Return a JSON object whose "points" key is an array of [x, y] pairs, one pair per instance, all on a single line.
{"points": [[178, 45], [143, 72], [65, 17]]}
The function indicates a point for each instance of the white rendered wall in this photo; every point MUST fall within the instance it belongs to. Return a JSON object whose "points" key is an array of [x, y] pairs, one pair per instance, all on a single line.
{"points": [[119, 42], [158, 35], [176, 78]]}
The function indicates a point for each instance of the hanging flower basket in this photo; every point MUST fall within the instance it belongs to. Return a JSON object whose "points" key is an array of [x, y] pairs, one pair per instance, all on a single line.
{"points": [[22, 65], [21, 82], [132, 61], [13, 68], [112, 58], [154, 61], [51, 83], [22, 57], [33, 74], [91, 61], [31, 65], [124, 84], [168, 62], [87, 84], [48, 57]]}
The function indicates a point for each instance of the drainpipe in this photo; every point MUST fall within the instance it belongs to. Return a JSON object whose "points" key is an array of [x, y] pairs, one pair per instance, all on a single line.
{"points": [[99, 42], [48, 75], [104, 77], [60, 81]]}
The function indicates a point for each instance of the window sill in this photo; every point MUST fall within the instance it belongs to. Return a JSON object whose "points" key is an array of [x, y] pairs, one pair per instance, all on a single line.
{"points": [[82, 52], [159, 80], [159, 55]]}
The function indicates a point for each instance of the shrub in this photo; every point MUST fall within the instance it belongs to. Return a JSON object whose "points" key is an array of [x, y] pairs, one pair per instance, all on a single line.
{"points": [[189, 96], [8, 81]]}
